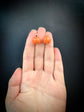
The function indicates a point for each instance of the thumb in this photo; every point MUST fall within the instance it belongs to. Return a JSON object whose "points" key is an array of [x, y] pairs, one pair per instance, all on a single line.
{"points": [[14, 85]]}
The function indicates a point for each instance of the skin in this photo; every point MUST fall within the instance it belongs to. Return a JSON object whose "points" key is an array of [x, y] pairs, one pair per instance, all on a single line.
{"points": [[39, 86]]}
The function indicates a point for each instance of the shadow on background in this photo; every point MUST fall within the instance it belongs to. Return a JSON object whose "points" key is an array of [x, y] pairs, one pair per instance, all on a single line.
{"points": [[65, 19]]}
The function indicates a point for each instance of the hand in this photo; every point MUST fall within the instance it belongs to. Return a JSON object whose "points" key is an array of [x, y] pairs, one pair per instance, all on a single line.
{"points": [[39, 86]]}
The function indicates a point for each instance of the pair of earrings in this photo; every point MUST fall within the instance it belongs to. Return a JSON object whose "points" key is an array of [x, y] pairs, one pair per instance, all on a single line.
{"points": [[46, 39]]}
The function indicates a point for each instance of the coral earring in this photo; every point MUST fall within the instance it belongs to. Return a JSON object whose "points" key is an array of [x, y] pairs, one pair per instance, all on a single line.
{"points": [[46, 39], [36, 40]]}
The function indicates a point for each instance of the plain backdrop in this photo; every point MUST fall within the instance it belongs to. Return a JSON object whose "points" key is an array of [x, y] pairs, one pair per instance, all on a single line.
{"points": [[65, 19]]}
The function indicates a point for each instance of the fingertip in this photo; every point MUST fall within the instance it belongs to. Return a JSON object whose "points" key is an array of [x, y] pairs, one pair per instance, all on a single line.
{"points": [[30, 36], [41, 32], [57, 54], [41, 28], [49, 34], [32, 31], [51, 37], [18, 70], [16, 77]]}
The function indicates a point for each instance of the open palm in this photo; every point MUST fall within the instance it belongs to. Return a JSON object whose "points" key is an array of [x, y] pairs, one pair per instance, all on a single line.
{"points": [[39, 86]]}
